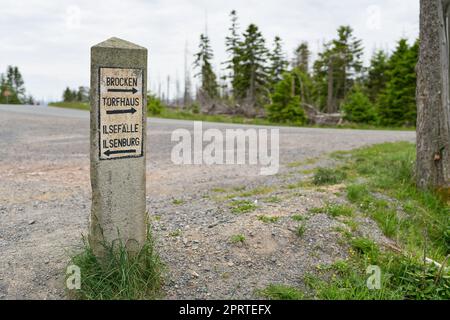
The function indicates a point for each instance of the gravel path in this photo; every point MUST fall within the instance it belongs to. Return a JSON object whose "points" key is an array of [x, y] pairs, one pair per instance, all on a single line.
{"points": [[45, 204]]}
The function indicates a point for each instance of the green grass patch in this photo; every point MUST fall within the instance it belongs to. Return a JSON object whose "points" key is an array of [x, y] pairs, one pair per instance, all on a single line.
{"points": [[344, 232], [300, 184], [178, 202], [402, 277], [297, 164], [238, 238], [180, 114], [358, 193], [238, 192], [267, 219], [339, 210], [119, 275], [243, 206], [335, 210], [415, 218], [298, 217], [328, 176], [300, 230], [352, 224], [281, 292], [193, 115], [307, 171], [255, 192], [175, 233], [388, 221], [340, 155], [317, 210], [366, 247], [380, 183], [273, 199]]}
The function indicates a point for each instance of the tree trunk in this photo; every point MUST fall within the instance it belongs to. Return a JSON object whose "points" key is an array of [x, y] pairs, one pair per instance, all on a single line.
{"points": [[433, 106], [330, 95]]}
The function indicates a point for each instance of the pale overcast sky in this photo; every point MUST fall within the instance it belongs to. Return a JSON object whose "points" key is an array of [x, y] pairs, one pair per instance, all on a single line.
{"points": [[50, 40]]}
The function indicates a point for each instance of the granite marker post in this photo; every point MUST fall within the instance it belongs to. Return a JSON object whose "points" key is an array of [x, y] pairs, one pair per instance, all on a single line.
{"points": [[118, 137]]}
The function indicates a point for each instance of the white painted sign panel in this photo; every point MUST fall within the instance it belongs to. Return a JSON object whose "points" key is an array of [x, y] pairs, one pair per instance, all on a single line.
{"points": [[120, 113]]}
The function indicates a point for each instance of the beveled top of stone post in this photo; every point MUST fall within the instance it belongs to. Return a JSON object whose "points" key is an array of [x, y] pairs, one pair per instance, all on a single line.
{"points": [[116, 43]]}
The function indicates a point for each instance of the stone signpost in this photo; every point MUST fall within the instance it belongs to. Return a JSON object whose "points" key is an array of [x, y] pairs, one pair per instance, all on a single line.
{"points": [[118, 137]]}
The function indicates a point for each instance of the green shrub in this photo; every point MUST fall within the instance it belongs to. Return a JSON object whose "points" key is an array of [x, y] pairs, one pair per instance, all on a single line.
{"points": [[194, 108], [358, 108], [286, 106], [154, 105]]}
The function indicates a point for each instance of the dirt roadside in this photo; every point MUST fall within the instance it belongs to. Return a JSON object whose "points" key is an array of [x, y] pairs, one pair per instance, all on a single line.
{"points": [[45, 203]]}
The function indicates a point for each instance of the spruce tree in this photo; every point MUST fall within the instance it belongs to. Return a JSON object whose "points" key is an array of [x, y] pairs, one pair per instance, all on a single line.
{"points": [[68, 95], [397, 103], [203, 61], [377, 75], [3, 88], [301, 57], [233, 43], [15, 85], [278, 62], [253, 80], [358, 108], [286, 105], [337, 69]]}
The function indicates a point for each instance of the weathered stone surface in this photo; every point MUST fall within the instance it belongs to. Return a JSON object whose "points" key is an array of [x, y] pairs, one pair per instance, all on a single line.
{"points": [[118, 183]]}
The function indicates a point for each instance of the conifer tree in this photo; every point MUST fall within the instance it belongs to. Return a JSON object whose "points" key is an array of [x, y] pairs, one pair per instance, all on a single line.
{"points": [[397, 103], [278, 62], [232, 43], [3, 89], [337, 68], [358, 108], [286, 105], [377, 75], [67, 95], [12, 85], [253, 80], [301, 57], [203, 62]]}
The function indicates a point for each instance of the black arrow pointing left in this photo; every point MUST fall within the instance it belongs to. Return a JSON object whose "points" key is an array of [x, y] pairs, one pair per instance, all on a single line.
{"points": [[133, 90], [109, 152], [132, 111]]}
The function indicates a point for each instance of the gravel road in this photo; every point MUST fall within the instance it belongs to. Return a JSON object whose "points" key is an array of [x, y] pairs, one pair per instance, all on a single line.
{"points": [[45, 204]]}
